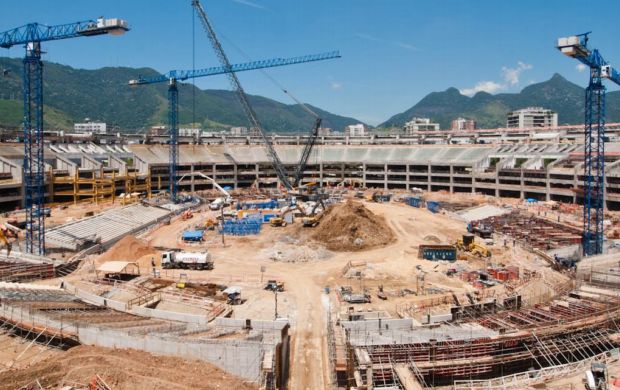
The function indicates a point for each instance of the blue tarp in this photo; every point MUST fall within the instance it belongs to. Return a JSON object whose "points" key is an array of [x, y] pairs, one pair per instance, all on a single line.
{"points": [[193, 235], [270, 204], [414, 202]]}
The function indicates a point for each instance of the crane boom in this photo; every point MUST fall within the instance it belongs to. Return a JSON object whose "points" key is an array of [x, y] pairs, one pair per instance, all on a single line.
{"points": [[181, 75], [241, 95], [305, 154], [35, 32]]}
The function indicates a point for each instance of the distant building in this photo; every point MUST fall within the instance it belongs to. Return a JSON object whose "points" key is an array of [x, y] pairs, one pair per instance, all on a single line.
{"points": [[420, 124], [254, 132], [532, 117], [463, 124], [158, 130], [358, 130], [189, 132], [90, 128], [324, 131], [239, 130]]}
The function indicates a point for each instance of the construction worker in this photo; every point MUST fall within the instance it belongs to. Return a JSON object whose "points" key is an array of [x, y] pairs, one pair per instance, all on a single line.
{"points": [[153, 265]]}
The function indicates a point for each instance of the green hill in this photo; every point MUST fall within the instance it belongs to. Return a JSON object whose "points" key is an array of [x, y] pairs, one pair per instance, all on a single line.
{"points": [[557, 94], [103, 94]]}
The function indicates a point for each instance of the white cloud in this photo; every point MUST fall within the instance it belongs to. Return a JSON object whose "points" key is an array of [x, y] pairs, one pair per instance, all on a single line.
{"points": [[368, 37], [581, 67], [483, 86], [249, 4], [402, 45], [336, 86], [406, 46], [512, 75]]}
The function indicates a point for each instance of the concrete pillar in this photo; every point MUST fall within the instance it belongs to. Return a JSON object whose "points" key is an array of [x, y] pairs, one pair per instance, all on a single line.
{"points": [[192, 168], [236, 182], [363, 174], [428, 176], [548, 189], [407, 185], [385, 177], [522, 193], [452, 179]]}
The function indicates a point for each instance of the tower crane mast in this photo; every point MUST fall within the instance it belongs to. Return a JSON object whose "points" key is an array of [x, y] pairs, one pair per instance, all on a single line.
{"points": [[31, 36], [576, 46]]}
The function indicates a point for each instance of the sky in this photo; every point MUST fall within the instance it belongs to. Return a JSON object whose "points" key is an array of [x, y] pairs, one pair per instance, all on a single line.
{"points": [[394, 52]]}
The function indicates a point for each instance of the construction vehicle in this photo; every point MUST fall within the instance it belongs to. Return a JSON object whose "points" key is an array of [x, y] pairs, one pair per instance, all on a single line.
{"points": [[596, 376], [480, 229], [468, 244], [313, 218], [186, 260], [219, 202], [274, 285], [183, 281], [210, 224], [277, 222], [5, 240], [381, 197]]}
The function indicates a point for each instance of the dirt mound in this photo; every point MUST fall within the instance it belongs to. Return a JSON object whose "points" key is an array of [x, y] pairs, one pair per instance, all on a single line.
{"points": [[128, 249], [122, 369], [352, 227]]}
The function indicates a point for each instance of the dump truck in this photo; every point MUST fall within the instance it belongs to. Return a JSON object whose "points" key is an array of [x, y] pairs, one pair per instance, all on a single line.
{"points": [[186, 260]]}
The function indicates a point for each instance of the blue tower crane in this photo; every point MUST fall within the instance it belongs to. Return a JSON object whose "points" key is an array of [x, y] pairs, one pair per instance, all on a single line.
{"points": [[174, 76], [576, 46], [31, 36]]}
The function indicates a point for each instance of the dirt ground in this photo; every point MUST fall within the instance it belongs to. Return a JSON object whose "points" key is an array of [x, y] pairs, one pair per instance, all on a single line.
{"points": [[393, 265], [121, 369]]}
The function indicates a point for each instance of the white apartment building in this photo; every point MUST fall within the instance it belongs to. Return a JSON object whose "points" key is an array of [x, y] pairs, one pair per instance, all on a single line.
{"points": [[189, 132], [238, 130], [532, 117], [420, 124], [358, 130], [90, 128]]}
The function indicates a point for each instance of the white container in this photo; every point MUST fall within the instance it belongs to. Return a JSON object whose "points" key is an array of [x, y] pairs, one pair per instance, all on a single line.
{"points": [[562, 42]]}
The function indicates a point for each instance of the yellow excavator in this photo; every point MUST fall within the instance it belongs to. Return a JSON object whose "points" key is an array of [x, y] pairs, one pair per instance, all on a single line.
{"points": [[6, 242]]}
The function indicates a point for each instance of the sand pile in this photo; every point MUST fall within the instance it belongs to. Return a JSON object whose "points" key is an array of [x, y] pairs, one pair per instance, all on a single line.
{"points": [[352, 227], [121, 369], [127, 249]]}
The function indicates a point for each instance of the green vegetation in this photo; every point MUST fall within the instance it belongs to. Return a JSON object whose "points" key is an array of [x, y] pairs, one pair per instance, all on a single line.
{"points": [[103, 94]]}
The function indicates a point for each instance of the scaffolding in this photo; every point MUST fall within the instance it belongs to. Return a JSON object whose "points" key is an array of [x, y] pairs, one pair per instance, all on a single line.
{"points": [[96, 185]]}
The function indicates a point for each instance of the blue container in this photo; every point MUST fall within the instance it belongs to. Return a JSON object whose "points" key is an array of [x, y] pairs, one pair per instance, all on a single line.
{"points": [[193, 235], [414, 202], [433, 207], [436, 254]]}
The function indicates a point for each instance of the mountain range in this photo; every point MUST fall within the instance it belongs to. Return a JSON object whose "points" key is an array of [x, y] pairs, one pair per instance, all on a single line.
{"points": [[71, 95], [489, 111]]}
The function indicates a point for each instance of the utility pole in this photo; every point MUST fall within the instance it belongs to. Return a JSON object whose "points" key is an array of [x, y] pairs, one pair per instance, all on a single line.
{"points": [[222, 219]]}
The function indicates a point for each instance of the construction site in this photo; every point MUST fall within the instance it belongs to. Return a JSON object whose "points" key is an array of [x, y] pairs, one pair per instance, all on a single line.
{"points": [[309, 263]]}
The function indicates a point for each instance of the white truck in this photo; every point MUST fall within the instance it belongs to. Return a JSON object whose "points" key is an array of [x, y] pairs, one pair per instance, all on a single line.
{"points": [[186, 260]]}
